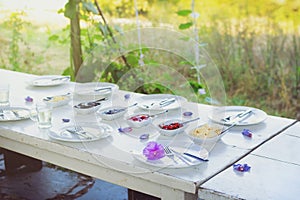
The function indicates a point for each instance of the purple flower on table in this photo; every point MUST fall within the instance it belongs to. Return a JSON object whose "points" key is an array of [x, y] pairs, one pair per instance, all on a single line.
{"points": [[66, 120], [247, 133], [144, 136], [125, 130], [241, 167], [127, 96], [154, 151], [187, 114], [29, 99]]}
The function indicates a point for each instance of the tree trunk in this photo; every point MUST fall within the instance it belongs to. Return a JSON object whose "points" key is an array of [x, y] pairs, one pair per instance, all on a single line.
{"points": [[76, 51]]}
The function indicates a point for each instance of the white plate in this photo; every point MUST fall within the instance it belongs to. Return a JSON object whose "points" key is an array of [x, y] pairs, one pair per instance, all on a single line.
{"points": [[152, 101], [167, 162], [95, 132], [58, 100], [255, 117], [95, 89], [49, 80], [14, 114]]}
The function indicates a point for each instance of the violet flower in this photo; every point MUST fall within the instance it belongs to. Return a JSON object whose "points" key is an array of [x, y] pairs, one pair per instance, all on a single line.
{"points": [[187, 114], [247, 133], [241, 167], [154, 151], [66, 120], [125, 130], [127, 96], [29, 99]]}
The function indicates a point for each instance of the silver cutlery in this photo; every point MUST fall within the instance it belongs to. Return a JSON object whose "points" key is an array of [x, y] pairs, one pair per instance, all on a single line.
{"points": [[236, 121], [90, 104], [170, 154], [103, 88], [162, 103], [196, 157], [60, 78], [16, 114], [186, 122], [239, 115], [2, 113], [166, 102], [78, 130], [181, 157]]}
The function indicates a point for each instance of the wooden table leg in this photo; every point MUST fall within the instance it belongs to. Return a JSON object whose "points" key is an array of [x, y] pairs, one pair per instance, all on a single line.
{"points": [[135, 195], [18, 163]]}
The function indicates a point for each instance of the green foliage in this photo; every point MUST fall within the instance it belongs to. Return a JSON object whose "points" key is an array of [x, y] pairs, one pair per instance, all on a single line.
{"points": [[16, 24]]}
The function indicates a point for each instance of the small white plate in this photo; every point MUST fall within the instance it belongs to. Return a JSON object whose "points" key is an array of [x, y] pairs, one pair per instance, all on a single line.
{"points": [[255, 117], [94, 132], [49, 80], [152, 102], [13, 114], [95, 89], [167, 162]]}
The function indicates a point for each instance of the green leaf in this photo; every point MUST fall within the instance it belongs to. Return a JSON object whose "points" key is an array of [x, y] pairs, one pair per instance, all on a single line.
{"points": [[89, 6], [184, 12], [53, 38], [70, 10], [185, 26]]}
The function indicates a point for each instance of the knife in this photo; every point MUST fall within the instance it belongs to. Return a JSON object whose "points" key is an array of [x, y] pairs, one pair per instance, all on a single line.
{"points": [[167, 102], [1, 113], [237, 120], [80, 133], [60, 78], [239, 115], [102, 88], [181, 157], [196, 157]]}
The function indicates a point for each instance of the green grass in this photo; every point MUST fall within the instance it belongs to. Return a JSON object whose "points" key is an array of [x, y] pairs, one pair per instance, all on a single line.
{"points": [[259, 60]]}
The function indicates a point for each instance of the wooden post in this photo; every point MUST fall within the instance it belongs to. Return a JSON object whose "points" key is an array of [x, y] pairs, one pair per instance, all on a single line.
{"points": [[76, 52]]}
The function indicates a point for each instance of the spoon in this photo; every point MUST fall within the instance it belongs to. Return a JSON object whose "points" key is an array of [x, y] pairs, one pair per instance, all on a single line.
{"points": [[114, 111], [103, 88], [183, 123], [154, 115], [90, 104]]}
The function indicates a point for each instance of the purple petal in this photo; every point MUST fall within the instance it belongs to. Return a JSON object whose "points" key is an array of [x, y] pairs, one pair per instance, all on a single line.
{"points": [[241, 167], [247, 133], [66, 120], [28, 99], [127, 96], [144, 136], [187, 114], [154, 151], [125, 130]]}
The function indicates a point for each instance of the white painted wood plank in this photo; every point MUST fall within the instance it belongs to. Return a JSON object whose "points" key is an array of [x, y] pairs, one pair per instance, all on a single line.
{"points": [[268, 179], [282, 147]]}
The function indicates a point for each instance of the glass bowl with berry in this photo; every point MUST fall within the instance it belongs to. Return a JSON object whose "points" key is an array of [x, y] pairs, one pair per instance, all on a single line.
{"points": [[112, 113], [174, 126], [139, 120], [142, 119]]}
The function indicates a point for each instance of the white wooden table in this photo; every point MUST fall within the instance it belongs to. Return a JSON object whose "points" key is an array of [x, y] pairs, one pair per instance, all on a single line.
{"points": [[274, 174], [110, 159]]}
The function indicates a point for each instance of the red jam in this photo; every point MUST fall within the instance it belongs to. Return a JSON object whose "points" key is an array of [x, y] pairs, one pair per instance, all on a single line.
{"points": [[171, 126], [139, 118]]}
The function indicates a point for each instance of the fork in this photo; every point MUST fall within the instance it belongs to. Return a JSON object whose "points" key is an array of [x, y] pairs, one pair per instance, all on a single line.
{"points": [[78, 130], [170, 154], [1, 113]]}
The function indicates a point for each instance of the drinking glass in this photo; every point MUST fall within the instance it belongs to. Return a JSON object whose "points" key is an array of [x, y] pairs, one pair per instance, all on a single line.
{"points": [[43, 115], [4, 94]]}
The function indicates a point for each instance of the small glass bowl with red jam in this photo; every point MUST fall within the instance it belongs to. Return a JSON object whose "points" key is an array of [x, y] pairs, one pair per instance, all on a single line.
{"points": [[171, 127], [139, 120]]}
